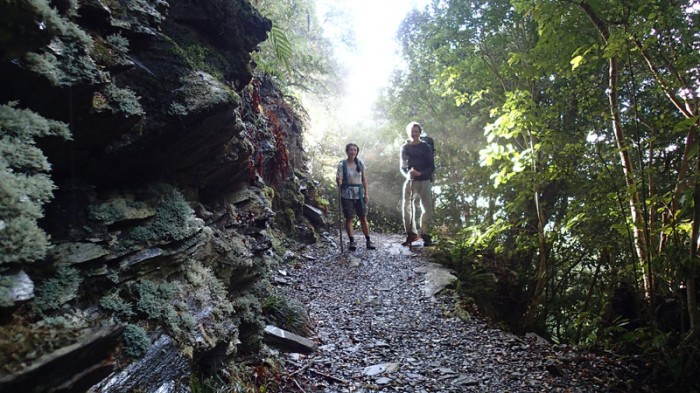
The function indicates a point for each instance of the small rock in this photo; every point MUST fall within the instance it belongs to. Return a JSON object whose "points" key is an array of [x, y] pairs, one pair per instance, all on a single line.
{"points": [[381, 368], [383, 381]]}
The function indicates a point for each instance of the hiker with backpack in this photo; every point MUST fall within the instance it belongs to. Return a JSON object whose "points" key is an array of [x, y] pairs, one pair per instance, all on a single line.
{"points": [[354, 195], [417, 164]]}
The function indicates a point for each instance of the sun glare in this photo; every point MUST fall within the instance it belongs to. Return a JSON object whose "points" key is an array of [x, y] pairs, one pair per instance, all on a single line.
{"points": [[375, 53]]}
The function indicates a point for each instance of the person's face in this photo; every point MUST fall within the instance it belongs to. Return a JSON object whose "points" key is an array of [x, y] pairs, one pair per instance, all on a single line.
{"points": [[415, 133], [352, 152]]}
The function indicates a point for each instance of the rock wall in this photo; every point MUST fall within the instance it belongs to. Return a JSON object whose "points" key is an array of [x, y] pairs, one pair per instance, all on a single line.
{"points": [[179, 166]]}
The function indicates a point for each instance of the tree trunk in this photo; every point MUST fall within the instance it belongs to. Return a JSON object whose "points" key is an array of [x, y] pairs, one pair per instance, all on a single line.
{"points": [[543, 264], [691, 289], [638, 219], [541, 279], [633, 194]]}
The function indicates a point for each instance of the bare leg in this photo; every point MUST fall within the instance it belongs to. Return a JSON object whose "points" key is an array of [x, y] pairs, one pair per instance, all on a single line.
{"points": [[348, 227], [364, 225]]}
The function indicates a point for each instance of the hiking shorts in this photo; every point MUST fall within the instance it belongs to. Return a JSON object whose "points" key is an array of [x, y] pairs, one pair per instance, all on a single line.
{"points": [[352, 207]]}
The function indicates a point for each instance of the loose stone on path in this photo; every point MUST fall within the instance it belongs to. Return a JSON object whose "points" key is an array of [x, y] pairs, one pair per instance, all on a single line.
{"points": [[384, 322]]}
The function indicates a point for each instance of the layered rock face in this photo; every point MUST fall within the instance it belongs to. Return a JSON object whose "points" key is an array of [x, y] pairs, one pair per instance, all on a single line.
{"points": [[165, 193]]}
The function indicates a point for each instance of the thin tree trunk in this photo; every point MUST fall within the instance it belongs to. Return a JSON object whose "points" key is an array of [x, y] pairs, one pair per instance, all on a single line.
{"points": [[542, 266], [691, 288], [589, 295], [681, 185], [653, 229], [633, 194], [632, 191], [541, 279]]}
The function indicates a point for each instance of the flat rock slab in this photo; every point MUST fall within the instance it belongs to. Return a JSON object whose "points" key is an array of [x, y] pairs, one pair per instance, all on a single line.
{"points": [[288, 341], [437, 278], [74, 368]]}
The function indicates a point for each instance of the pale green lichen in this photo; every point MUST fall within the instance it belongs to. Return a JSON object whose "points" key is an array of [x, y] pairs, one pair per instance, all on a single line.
{"points": [[174, 220], [121, 309], [164, 303], [136, 341], [117, 100], [119, 209], [118, 42], [24, 184]]}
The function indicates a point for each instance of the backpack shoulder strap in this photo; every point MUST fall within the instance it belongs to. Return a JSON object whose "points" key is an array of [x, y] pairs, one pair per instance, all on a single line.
{"points": [[344, 163], [360, 165]]}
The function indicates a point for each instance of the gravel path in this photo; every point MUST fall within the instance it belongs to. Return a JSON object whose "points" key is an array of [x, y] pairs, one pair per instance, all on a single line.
{"points": [[377, 331]]}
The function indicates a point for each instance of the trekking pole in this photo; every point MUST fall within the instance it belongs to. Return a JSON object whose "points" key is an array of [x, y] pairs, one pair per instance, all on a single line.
{"points": [[340, 218], [410, 187]]}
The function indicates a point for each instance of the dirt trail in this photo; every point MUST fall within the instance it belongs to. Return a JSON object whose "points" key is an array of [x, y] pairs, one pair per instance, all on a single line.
{"points": [[377, 331]]}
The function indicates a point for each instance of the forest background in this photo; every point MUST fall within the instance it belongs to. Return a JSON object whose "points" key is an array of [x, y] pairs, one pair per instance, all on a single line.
{"points": [[567, 159]]}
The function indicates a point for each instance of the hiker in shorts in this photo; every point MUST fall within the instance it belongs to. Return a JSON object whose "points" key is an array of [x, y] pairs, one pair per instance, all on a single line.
{"points": [[417, 165], [354, 195]]}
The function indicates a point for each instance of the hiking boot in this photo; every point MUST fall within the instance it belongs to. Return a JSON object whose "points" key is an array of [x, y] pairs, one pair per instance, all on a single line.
{"points": [[427, 240], [352, 246], [412, 237], [370, 245]]}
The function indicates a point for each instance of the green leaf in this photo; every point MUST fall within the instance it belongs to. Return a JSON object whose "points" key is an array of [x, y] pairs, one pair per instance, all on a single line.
{"points": [[576, 62], [283, 49]]}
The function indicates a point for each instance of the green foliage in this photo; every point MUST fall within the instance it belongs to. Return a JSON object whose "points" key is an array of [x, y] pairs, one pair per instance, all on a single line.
{"points": [[67, 61], [248, 308], [24, 184], [57, 291], [296, 52], [118, 42], [121, 309], [155, 299], [30, 25], [117, 101], [163, 303], [518, 92], [287, 314], [119, 209], [136, 341], [282, 47], [200, 57], [248, 316], [173, 220], [240, 377]]}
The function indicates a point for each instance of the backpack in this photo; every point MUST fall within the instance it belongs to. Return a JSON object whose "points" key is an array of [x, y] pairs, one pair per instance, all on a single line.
{"points": [[431, 142]]}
